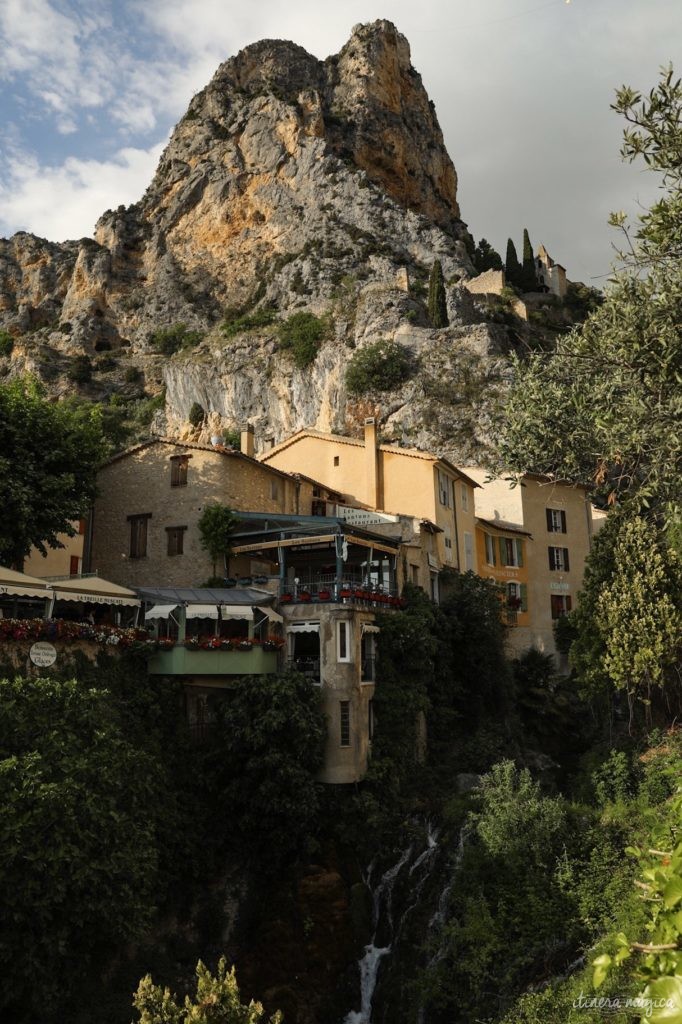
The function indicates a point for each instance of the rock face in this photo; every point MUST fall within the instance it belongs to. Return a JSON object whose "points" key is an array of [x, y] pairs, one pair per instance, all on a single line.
{"points": [[290, 184]]}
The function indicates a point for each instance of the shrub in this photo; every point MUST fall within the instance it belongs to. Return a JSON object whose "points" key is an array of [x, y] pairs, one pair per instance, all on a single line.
{"points": [[132, 375], [302, 335], [196, 414], [236, 321], [380, 366], [6, 343], [168, 340], [80, 371]]}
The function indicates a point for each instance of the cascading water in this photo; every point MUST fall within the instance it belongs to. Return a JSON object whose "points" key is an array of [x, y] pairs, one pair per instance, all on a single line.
{"points": [[382, 898]]}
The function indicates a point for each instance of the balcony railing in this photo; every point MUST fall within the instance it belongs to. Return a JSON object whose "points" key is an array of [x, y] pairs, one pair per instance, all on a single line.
{"points": [[351, 589], [309, 667]]}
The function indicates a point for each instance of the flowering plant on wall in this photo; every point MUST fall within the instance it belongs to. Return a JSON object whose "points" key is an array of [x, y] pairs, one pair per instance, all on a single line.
{"points": [[69, 632]]}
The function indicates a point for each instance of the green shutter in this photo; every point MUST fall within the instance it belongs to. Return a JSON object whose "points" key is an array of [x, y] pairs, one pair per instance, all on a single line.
{"points": [[519, 553], [503, 552], [524, 597]]}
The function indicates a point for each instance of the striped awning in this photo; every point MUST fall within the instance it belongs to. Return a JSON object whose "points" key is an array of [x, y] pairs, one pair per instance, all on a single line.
{"points": [[304, 627], [237, 611], [160, 611], [201, 611]]}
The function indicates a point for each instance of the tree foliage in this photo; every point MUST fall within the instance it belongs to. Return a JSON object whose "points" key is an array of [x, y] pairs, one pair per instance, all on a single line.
{"points": [[437, 305], [605, 406], [529, 278], [628, 625], [216, 1002], [78, 838], [262, 764], [49, 453], [486, 258], [379, 366], [216, 526], [512, 266]]}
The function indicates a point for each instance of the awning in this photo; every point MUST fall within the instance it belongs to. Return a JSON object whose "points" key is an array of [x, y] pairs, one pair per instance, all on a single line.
{"points": [[367, 627], [18, 584], [201, 611], [160, 611], [271, 614], [93, 590], [237, 611], [304, 627]]}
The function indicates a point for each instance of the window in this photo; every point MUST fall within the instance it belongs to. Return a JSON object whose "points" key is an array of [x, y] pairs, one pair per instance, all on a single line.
{"points": [[74, 565], [138, 535], [517, 597], [179, 464], [336, 460], [434, 588], [468, 552], [274, 489], [81, 526], [448, 544], [344, 723], [414, 570], [490, 556], [176, 539], [561, 605], [444, 489], [343, 642], [556, 520], [558, 559], [511, 552], [465, 498]]}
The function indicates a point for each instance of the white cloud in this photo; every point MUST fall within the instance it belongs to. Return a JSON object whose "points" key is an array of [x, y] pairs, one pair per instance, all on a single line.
{"points": [[65, 201]]}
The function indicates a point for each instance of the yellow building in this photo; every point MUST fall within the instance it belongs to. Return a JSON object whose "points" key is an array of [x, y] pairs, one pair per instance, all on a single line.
{"points": [[557, 518], [150, 498], [394, 480], [502, 554], [64, 561]]}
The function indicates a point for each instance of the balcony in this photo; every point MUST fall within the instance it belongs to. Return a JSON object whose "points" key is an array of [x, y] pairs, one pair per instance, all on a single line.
{"points": [[325, 588], [196, 661], [309, 667]]}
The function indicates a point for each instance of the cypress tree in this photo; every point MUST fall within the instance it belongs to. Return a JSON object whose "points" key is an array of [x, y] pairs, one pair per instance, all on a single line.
{"points": [[438, 312], [512, 266], [529, 281]]}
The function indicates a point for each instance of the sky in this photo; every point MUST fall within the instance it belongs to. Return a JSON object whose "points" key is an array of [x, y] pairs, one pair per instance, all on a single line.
{"points": [[90, 91]]}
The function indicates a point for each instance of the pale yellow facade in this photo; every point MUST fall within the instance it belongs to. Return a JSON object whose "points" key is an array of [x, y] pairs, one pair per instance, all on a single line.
{"points": [[558, 518], [64, 561], [141, 509], [399, 481]]}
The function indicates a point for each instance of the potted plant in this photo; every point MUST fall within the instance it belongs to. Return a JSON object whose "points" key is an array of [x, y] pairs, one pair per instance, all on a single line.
{"points": [[286, 598], [345, 593], [245, 644], [192, 642], [324, 595], [305, 596]]}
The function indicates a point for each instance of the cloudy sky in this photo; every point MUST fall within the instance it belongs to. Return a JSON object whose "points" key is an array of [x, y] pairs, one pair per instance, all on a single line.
{"points": [[92, 88]]}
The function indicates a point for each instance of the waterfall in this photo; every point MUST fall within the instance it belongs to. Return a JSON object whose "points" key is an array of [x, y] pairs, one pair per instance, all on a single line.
{"points": [[382, 899]]}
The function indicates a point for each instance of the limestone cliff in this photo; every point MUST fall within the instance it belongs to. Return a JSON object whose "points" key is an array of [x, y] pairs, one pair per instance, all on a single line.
{"points": [[290, 184]]}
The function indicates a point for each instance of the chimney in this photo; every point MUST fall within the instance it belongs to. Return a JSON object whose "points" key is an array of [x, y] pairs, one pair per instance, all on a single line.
{"points": [[248, 442], [373, 495]]}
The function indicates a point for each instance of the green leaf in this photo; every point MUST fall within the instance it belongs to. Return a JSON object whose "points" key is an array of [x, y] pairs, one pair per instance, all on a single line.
{"points": [[672, 894], [601, 969], [666, 993]]}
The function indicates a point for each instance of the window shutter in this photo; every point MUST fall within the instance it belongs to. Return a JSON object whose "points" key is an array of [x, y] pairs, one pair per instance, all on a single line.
{"points": [[503, 552], [563, 521], [550, 552], [548, 513], [566, 565], [524, 597], [568, 602], [519, 553]]}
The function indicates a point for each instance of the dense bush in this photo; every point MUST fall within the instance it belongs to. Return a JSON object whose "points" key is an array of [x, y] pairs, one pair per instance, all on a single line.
{"points": [[168, 340], [6, 343], [262, 763], [80, 370], [301, 335], [237, 321], [380, 366], [196, 414]]}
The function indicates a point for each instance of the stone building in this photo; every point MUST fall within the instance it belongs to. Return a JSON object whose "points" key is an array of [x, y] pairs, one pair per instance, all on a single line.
{"points": [[144, 524], [551, 276]]}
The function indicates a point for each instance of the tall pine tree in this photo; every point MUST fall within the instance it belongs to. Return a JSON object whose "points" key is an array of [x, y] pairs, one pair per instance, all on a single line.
{"points": [[486, 258], [529, 281], [438, 312], [512, 266]]}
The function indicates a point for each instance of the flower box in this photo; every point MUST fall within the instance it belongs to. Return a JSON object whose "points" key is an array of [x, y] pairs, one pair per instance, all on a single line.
{"points": [[324, 595], [244, 645], [305, 596], [345, 594], [286, 598]]}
